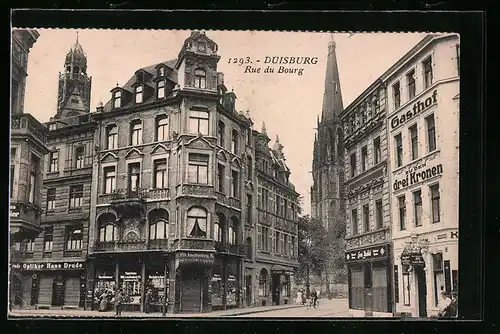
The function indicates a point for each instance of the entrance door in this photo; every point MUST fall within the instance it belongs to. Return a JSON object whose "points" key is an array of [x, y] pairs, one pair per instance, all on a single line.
{"points": [[275, 286], [422, 292], [191, 289], [58, 291], [35, 289], [368, 280], [248, 289]]}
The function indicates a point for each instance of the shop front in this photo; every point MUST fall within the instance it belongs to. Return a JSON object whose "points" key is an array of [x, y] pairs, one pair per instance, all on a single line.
{"points": [[369, 281], [280, 285], [58, 284]]}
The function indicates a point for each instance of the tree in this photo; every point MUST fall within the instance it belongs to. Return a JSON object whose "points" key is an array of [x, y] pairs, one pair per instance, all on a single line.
{"points": [[313, 249]]}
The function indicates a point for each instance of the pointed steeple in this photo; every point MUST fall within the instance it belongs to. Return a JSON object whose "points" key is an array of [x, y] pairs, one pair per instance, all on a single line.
{"points": [[315, 151], [332, 96]]}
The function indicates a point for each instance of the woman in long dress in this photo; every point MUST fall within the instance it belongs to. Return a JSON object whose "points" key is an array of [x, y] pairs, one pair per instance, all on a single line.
{"points": [[299, 297]]}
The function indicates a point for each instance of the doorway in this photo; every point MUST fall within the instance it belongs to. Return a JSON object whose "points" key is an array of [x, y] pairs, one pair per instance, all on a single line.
{"points": [[58, 291], [368, 293], [422, 291], [194, 290], [275, 288], [248, 290], [35, 289]]}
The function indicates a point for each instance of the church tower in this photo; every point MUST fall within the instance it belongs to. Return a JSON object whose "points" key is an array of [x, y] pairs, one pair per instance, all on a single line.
{"points": [[74, 84], [327, 192]]}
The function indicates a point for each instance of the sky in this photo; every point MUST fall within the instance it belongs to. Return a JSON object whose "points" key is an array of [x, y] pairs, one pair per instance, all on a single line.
{"points": [[288, 103]]}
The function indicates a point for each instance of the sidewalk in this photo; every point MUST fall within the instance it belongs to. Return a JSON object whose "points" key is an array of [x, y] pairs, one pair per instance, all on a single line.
{"points": [[20, 313]]}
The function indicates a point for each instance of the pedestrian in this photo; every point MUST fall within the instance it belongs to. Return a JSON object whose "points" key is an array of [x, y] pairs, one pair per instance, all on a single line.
{"points": [[299, 297], [103, 302], [304, 300], [118, 302], [147, 306], [444, 305]]}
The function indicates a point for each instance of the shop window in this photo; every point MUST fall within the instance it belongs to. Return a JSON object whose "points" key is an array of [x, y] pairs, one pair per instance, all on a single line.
{"points": [[136, 133], [108, 233], [51, 199], [160, 89], [435, 206], [357, 288], [439, 280], [74, 238], [79, 156], [398, 141], [396, 95], [48, 239], [263, 278], [221, 133], [197, 222], [285, 286], [160, 174], [112, 137], [54, 161], [76, 196], [414, 142], [410, 78], [161, 128], [417, 207], [109, 179], [402, 212], [198, 122], [427, 69], [431, 133], [377, 152], [198, 168], [406, 288]]}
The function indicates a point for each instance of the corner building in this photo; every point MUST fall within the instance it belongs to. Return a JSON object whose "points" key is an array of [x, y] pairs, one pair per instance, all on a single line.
{"points": [[368, 237], [423, 137], [173, 189]]}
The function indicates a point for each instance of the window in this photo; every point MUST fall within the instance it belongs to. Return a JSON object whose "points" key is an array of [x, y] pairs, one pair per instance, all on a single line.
{"points": [[160, 174], [79, 156], [399, 150], [427, 64], [136, 133], [364, 158], [439, 279], [109, 179], [431, 133], [366, 218], [417, 207], [379, 214], [74, 238], [112, 135], [249, 137], [402, 213], [75, 196], [235, 186], [232, 232], [410, 77], [218, 233], [435, 203], [34, 170], [249, 168], [197, 222], [263, 283], [396, 94], [108, 233], [158, 230], [277, 242], [200, 78], [30, 246], [161, 72], [54, 161], [15, 92], [375, 106], [221, 175], [198, 122], [161, 128], [414, 142], [138, 94], [160, 89], [377, 151], [52, 126], [234, 142], [51, 199], [353, 164], [134, 176], [292, 251], [249, 209], [457, 50], [48, 238], [406, 288], [198, 168], [354, 222], [117, 103], [221, 128]]}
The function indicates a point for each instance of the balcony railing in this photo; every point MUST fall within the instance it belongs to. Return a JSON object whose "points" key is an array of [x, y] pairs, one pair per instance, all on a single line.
{"points": [[368, 238], [157, 193], [206, 244], [159, 244], [120, 246], [140, 194], [27, 124], [229, 201], [196, 190]]}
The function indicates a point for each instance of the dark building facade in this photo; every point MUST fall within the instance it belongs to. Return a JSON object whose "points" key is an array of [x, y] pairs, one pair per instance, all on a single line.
{"points": [[368, 237], [27, 150], [327, 192], [56, 264]]}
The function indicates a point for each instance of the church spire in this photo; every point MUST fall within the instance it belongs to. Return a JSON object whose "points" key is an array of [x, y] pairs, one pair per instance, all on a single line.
{"points": [[332, 97]]}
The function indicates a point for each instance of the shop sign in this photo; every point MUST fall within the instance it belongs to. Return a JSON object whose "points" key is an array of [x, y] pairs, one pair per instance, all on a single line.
{"points": [[50, 266], [14, 211], [454, 235], [231, 278], [106, 277], [412, 258], [368, 253], [417, 108], [414, 176], [195, 257]]}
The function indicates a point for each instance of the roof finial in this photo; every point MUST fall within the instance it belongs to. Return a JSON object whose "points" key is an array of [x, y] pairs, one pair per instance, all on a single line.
{"points": [[263, 127]]}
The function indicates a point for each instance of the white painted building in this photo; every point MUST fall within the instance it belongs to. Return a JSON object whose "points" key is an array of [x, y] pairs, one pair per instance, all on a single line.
{"points": [[423, 145]]}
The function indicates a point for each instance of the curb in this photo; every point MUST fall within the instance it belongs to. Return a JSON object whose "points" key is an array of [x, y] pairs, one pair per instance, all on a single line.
{"points": [[260, 311]]}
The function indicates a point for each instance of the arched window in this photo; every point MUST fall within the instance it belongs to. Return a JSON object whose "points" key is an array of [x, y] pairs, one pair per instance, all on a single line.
{"points": [[231, 237], [221, 133], [200, 79], [138, 94], [74, 238], [117, 103], [160, 89], [158, 230], [219, 227], [196, 225], [108, 233], [263, 283]]}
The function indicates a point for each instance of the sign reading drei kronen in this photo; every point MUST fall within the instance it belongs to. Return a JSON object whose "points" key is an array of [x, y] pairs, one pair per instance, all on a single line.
{"points": [[414, 177]]}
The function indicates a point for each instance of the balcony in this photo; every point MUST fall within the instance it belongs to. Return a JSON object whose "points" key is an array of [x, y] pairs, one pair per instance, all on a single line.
{"points": [[193, 243], [196, 190], [222, 247], [27, 125], [120, 246], [157, 194], [159, 244], [228, 201], [369, 238], [124, 195]]}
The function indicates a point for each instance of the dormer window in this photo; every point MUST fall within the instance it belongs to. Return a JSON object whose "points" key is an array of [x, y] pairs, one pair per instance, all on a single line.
{"points": [[160, 90], [117, 99], [200, 79], [161, 72], [138, 94]]}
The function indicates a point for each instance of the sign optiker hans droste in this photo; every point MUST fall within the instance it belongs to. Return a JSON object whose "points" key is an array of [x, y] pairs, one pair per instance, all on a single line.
{"points": [[414, 175], [49, 266], [418, 107]]}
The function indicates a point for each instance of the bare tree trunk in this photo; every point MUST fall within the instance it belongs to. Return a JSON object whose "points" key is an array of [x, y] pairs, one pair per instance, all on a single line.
{"points": [[307, 283], [327, 281]]}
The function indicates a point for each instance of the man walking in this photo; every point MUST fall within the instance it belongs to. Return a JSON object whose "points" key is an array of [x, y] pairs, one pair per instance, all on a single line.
{"points": [[118, 302]]}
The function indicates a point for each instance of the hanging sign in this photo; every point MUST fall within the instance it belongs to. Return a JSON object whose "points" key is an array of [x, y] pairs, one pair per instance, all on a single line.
{"points": [[412, 258]]}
